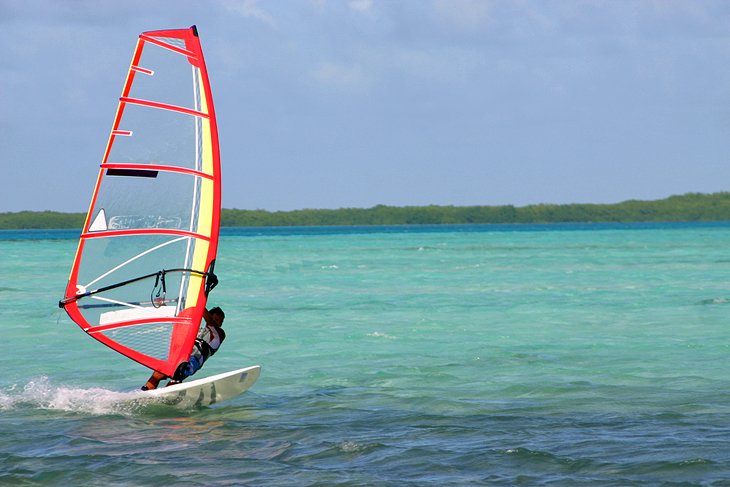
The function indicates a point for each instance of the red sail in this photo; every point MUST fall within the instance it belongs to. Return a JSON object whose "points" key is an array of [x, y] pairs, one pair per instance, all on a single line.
{"points": [[138, 283]]}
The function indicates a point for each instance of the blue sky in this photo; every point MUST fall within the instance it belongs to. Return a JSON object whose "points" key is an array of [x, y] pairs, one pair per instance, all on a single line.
{"points": [[330, 104]]}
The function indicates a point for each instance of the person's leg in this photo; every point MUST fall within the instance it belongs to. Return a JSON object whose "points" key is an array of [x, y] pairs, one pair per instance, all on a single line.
{"points": [[153, 381], [186, 369]]}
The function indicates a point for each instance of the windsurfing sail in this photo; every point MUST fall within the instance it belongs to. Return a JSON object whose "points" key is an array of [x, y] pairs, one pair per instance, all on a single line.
{"points": [[145, 258]]}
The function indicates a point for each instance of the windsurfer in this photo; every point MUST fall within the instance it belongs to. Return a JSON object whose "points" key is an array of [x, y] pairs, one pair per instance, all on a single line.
{"points": [[209, 339]]}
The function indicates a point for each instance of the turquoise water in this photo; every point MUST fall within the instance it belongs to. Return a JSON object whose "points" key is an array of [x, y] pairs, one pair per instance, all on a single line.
{"points": [[505, 355]]}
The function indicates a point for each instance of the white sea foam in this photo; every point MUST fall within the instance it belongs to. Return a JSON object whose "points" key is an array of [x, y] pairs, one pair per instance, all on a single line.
{"points": [[40, 393], [377, 334]]}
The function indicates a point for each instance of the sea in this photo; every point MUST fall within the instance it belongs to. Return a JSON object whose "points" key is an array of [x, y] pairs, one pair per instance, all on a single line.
{"points": [[456, 355]]}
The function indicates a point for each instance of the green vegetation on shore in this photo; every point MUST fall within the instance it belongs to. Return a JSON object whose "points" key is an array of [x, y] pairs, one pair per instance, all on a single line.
{"points": [[688, 207]]}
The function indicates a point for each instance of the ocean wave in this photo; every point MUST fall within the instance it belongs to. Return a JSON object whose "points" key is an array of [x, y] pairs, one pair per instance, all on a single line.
{"points": [[714, 301]]}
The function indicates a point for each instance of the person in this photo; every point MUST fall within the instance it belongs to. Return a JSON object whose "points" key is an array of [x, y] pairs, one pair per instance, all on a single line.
{"points": [[209, 340]]}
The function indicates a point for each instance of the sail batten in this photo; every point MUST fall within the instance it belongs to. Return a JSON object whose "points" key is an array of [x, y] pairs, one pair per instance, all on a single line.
{"points": [[145, 231], [151, 233], [162, 106], [142, 70], [158, 167], [167, 45]]}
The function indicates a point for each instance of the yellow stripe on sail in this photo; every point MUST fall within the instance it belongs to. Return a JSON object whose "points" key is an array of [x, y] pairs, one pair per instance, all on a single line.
{"points": [[205, 212]]}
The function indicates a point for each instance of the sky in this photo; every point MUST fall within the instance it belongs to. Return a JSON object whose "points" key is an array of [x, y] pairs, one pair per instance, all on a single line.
{"points": [[351, 104]]}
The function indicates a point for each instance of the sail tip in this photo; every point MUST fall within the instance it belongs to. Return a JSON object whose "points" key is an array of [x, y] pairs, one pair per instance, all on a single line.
{"points": [[195, 30]]}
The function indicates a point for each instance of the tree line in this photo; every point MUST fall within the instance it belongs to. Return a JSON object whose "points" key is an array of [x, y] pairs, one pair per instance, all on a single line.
{"points": [[687, 207]]}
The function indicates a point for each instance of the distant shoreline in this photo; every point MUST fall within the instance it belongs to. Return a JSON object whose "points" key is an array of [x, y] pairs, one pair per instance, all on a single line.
{"points": [[688, 207]]}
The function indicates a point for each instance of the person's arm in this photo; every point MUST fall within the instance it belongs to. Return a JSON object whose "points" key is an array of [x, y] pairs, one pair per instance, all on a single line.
{"points": [[206, 316]]}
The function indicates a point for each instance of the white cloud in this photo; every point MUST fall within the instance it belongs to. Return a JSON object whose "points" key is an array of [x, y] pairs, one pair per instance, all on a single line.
{"points": [[361, 5], [249, 9]]}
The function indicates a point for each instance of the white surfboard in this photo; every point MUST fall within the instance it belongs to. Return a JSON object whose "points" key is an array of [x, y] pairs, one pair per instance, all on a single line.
{"points": [[206, 391]]}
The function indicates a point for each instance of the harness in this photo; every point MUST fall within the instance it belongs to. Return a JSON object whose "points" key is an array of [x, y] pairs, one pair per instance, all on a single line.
{"points": [[206, 349]]}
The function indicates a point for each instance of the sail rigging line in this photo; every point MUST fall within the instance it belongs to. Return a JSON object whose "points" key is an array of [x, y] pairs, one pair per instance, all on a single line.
{"points": [[112, 302], [159, 275], [155, 298], [128, 261], [109, 303], [211, 280]]}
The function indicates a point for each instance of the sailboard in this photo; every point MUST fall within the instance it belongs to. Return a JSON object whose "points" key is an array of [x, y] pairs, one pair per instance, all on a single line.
{"points": [[146, 255], [202, 392]]}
